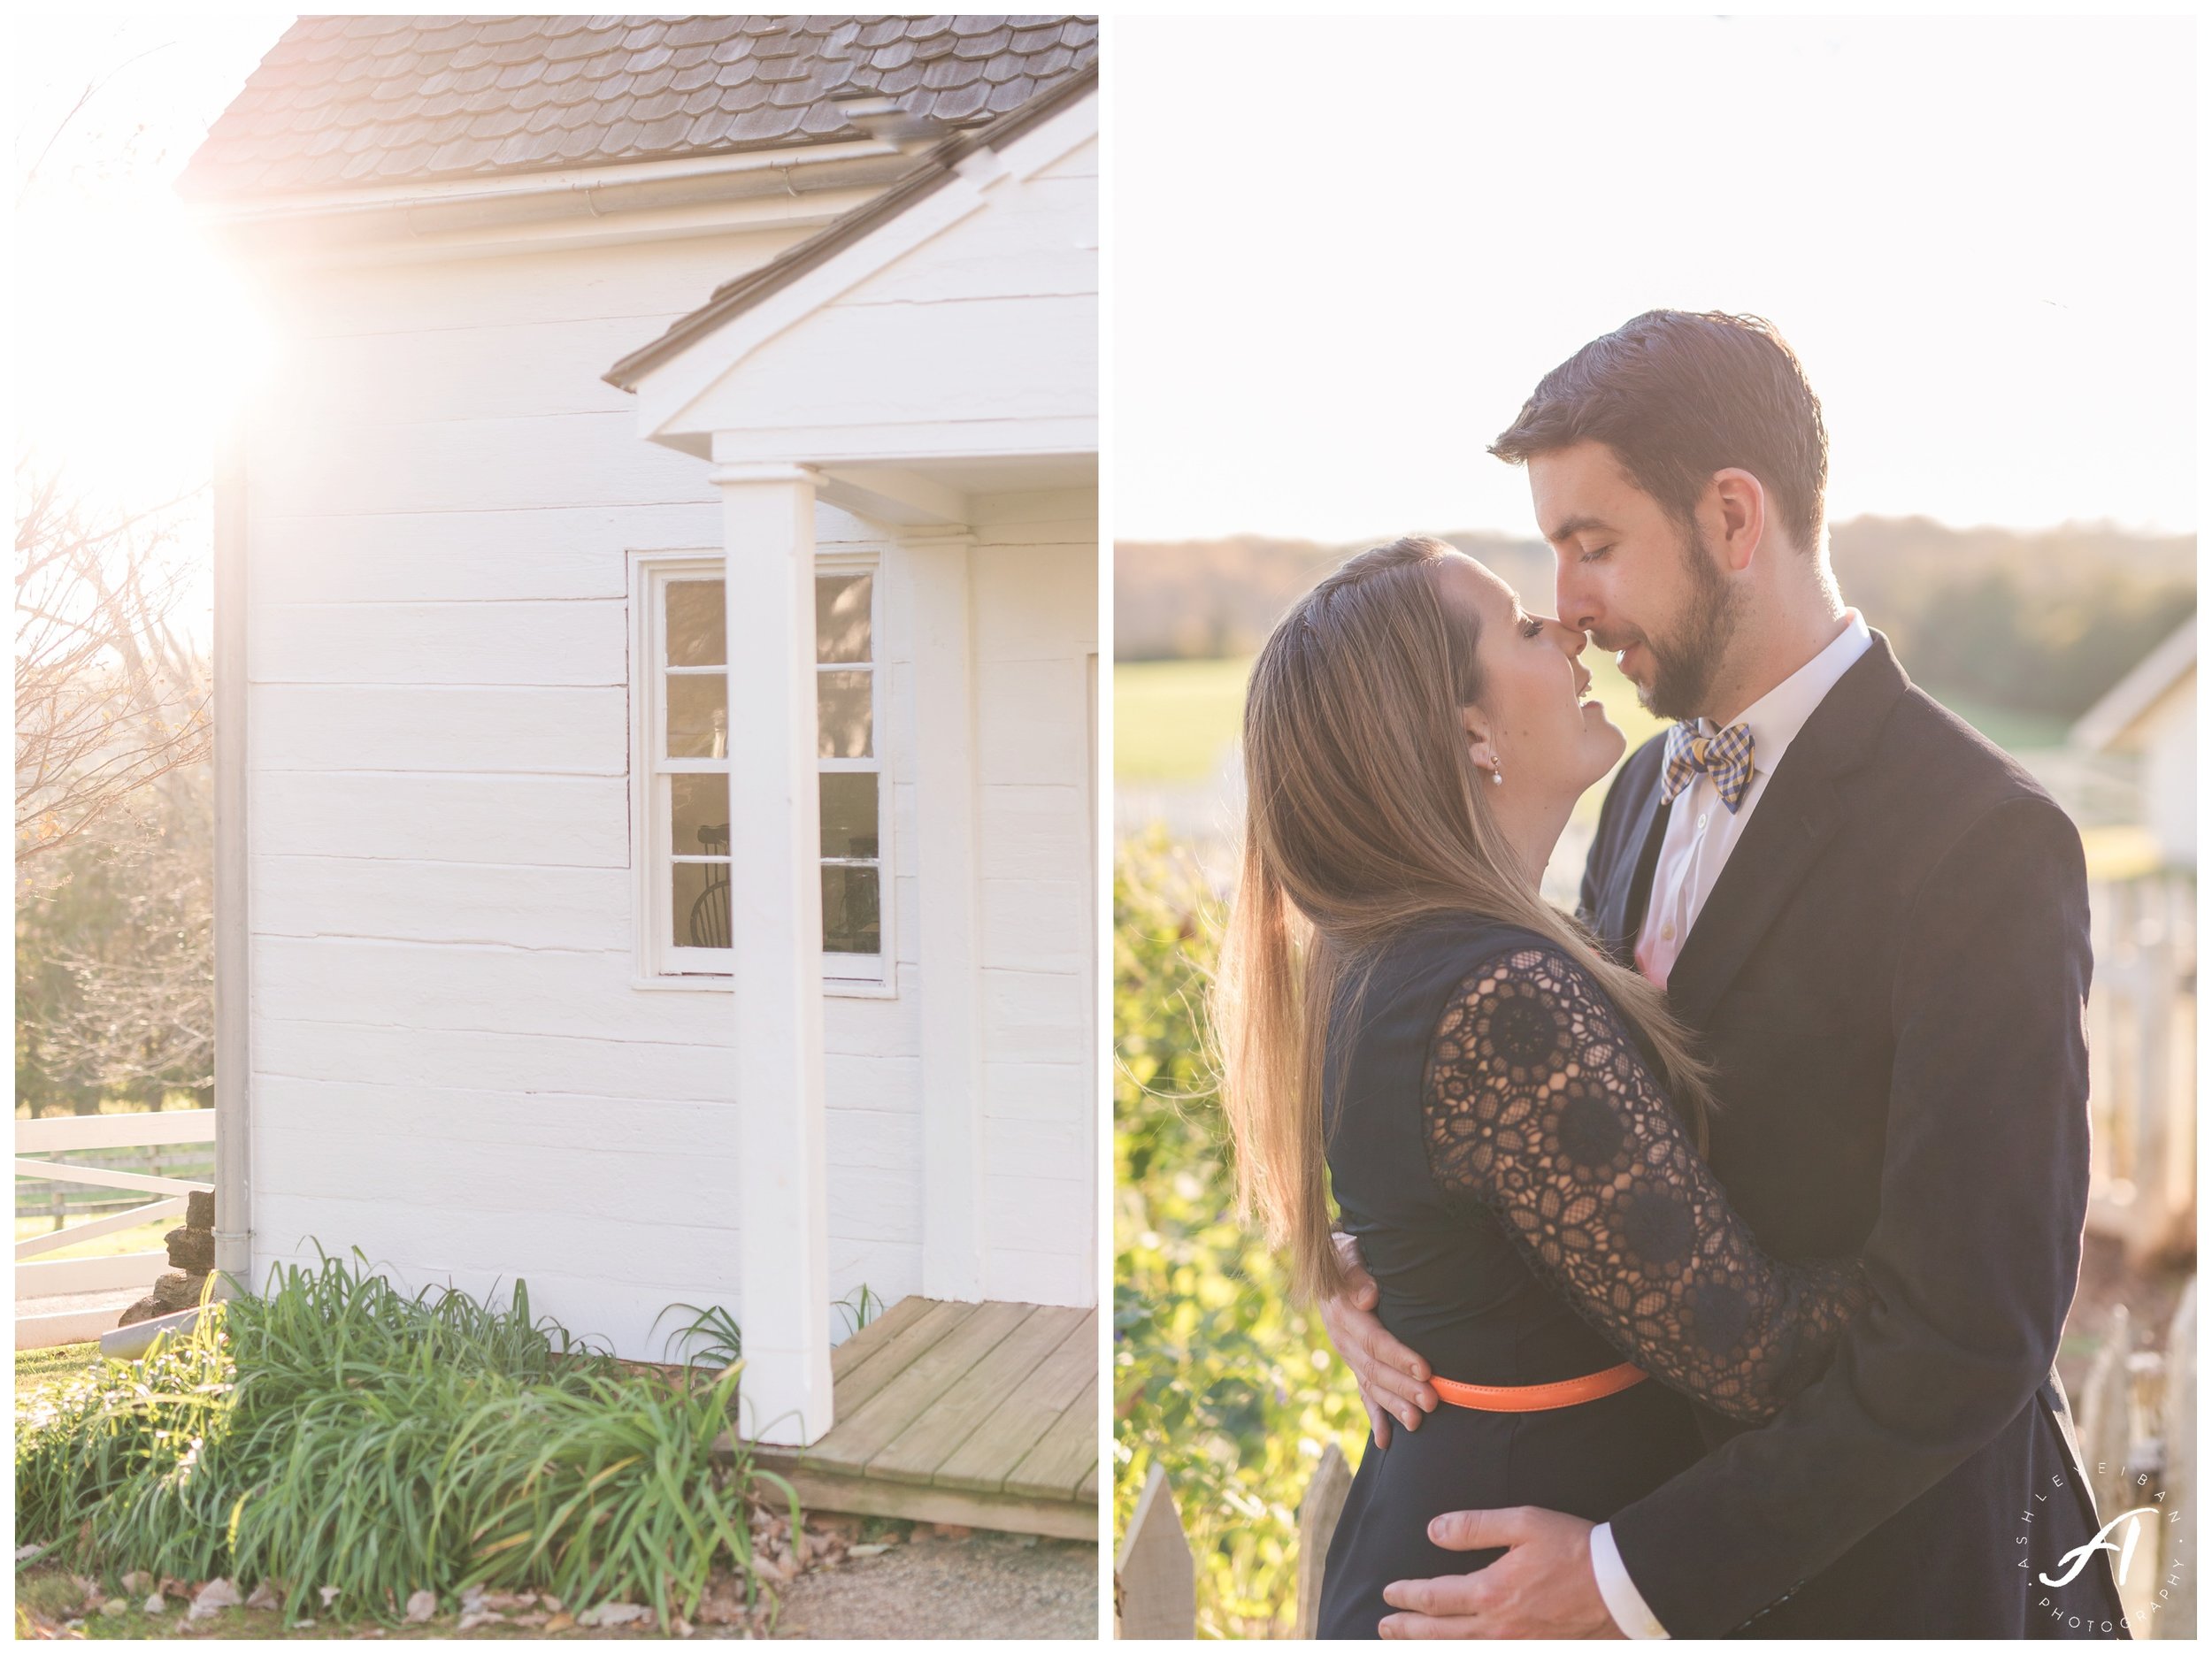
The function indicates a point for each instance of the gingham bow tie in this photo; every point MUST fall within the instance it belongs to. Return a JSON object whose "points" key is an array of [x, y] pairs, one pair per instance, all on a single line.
{"points": [[1726, 758]]}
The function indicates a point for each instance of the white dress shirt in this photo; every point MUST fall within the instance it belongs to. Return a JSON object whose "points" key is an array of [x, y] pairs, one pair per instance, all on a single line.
{"points": [[1700, 829], [1701, 834]]}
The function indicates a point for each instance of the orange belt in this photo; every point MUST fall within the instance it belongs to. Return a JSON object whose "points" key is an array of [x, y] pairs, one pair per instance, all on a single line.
{"points": [[1561, 1393]]}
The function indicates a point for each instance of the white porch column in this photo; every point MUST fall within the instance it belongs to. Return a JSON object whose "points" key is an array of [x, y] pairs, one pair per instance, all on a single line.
{"points": [[776, 949], [948, 872]]}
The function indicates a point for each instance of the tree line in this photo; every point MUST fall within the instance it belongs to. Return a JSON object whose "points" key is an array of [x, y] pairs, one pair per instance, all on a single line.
{"points": [[114, 805], [2040, 621]]}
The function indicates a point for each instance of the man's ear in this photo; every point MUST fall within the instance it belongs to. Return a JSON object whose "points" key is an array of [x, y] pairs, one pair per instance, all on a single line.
{"points": [[1478, 729], [1738, 502]]}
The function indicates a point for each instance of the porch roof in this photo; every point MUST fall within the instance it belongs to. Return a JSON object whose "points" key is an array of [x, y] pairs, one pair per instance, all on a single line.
{"points": [[738, 294]]}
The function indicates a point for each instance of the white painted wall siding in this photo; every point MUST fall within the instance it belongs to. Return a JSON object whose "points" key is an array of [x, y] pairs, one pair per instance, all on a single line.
{"points": [[1035, 582], [454, 1069]]}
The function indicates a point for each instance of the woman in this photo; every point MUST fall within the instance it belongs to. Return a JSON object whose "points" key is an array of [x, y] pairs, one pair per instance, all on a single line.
{"points": [[1510, 1121]]}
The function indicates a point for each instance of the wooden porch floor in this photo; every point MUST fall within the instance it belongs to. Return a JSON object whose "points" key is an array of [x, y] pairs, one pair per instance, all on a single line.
{"points": [[985, 1415]]}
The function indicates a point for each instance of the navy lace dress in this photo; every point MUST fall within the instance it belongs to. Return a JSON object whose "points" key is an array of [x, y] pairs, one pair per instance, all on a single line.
{"points": [[1533, 1209]]}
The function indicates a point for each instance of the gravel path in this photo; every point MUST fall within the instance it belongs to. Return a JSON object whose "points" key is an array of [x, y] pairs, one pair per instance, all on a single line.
{"points": [[982, 1586]]}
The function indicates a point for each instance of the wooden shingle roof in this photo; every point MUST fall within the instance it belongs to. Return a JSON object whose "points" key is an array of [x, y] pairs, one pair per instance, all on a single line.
{"points": [[350, 102]]}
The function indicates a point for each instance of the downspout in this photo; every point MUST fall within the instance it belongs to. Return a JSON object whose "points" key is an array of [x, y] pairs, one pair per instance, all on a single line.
{"points": [[234, 1064]]}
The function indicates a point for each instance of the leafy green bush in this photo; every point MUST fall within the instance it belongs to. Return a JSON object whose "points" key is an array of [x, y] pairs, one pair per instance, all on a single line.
{"points": [[335, 1432], [1216, 1377]]}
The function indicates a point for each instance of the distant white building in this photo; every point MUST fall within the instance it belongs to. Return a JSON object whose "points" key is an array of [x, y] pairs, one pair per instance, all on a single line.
{"points": [[668, 553], [2151, 715]]}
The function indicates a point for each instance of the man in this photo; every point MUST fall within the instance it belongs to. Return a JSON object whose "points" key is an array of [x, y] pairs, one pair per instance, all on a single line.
{"points": [[1878, 924]]}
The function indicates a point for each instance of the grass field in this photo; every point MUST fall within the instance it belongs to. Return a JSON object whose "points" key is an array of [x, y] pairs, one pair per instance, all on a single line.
{"points": [[1174, 721], [35, 1369], [2013, 731]]}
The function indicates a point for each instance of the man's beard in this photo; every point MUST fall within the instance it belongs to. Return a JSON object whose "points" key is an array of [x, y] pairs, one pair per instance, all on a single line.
{"points": [[1684, 668]]}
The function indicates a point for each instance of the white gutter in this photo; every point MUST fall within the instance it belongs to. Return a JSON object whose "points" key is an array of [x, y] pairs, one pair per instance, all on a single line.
{"points": [[419, 208], [233, 981]]}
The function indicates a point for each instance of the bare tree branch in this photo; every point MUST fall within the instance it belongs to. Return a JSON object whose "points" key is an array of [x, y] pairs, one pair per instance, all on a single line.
{"points": [[91, 90], [140, 1012], [107, 699]]}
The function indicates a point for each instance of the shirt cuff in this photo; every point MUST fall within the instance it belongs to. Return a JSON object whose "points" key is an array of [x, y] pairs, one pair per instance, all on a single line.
{"points": [[1626, 1604]]}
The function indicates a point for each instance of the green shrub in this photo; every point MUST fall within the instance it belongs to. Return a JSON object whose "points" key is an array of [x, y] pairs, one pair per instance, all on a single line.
{"points": [[1216, 1377], [335, 1432]]}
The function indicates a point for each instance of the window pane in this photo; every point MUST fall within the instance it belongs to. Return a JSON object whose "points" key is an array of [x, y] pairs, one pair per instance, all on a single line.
{"points": [[852, 920], [840, 617], [848, 715], [694, 623], [849, 814], [700, 812], [698, 715], [700, 905]]}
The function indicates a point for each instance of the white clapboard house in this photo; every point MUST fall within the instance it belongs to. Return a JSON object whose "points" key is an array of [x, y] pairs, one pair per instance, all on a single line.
{"points": [[657, 651]]}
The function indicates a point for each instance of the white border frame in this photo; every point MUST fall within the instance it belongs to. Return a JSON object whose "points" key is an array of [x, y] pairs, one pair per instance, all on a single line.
{"points": [[845, 976]]}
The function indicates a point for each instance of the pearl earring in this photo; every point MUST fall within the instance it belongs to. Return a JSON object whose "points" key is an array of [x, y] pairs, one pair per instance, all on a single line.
{"points": [[1497, 775]]}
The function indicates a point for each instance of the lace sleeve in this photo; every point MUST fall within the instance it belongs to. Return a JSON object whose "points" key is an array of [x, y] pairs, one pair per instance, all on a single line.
{"points": [[1538, 1106]]}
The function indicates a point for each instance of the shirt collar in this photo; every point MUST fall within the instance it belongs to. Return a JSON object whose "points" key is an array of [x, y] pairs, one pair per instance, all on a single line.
{"points": [[1776, 717]]}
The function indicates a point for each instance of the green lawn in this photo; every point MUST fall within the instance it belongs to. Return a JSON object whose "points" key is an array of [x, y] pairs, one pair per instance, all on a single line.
{"points": [[34, 1368], [2013, 731], [1174, 721]]}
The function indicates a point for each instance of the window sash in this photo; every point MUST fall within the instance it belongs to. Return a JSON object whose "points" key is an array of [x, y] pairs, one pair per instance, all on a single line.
{"points": [[666, 956]]}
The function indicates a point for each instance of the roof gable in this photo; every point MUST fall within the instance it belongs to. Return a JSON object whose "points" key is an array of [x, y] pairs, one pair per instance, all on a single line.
{"points": [[350, 102], [743, 292], [955, 316]]}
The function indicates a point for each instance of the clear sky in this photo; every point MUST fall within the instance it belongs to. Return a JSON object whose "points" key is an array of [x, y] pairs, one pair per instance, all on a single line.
{"points": [[1344, 252], [130, 338]]}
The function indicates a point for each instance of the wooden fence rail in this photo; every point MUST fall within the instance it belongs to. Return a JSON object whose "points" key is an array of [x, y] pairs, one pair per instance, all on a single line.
{"points": [[58, 1200], [37, 1278], [2136, 1417], [2142, 1059]]}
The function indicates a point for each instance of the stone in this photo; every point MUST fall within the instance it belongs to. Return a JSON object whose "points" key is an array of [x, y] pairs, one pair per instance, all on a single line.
{"points": [[191, 1250], [175, 1291], [199, 1209], [212, 1598]]}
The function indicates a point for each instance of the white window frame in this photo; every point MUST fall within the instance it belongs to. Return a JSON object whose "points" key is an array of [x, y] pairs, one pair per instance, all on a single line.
{"points": [[663, 963]]}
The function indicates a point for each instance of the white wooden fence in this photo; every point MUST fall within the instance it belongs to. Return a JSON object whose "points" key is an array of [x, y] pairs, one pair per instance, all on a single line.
{"points": [[1155, 1584], [2137, 1418], [37, 1278], [2142, 1058]]}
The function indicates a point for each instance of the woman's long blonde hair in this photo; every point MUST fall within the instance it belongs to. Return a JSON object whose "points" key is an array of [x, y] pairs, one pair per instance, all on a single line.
{"points": [[1366, 812]]}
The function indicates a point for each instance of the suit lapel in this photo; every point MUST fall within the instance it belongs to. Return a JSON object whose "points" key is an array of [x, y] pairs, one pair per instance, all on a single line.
{"points": [[1626, 885], [1797, 815], [1650, 833]]}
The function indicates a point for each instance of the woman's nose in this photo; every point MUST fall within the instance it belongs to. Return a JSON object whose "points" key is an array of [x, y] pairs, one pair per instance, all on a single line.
{"points": [[1567, 638]]}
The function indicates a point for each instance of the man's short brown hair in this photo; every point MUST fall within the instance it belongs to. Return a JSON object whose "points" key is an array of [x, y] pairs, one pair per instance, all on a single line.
{"points": [[1678, 395]]}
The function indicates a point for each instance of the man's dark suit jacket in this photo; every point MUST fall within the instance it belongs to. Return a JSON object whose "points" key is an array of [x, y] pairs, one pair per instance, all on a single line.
{"points": [[1890, 975]]}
